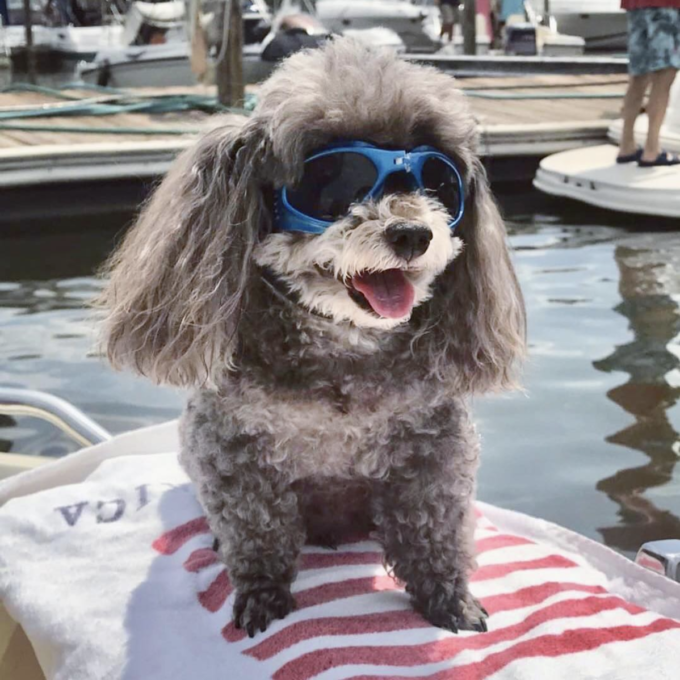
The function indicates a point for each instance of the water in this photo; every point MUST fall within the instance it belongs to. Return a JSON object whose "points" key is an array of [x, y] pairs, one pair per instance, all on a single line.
{"points": [[593, 443]]}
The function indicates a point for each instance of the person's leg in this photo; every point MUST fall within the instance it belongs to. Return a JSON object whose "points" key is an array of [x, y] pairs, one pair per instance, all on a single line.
{"points": [[447, 16], [638, 67], [662, 63], [632, 106], [656, 110]]}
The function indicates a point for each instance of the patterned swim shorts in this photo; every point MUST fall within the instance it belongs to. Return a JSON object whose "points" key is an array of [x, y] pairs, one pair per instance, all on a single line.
{"points": [[653, 39]]}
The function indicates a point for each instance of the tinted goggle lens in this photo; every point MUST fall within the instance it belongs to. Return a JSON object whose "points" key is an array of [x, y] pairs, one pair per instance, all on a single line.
{"points": [[441, 182], [331, 183]]}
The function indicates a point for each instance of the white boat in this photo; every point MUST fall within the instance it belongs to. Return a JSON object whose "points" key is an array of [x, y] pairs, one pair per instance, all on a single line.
{"points": [[75, 43], [601, 23], [154, 48], [592, 176], [404, 18], [168, 64]]}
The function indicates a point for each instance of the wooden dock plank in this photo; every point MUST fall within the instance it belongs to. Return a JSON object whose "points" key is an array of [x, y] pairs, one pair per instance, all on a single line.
{"points": [[489, 111], [518, 116]]}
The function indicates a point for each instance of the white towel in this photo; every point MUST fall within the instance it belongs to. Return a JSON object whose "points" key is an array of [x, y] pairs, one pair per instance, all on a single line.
{"points": [[114, 577]]}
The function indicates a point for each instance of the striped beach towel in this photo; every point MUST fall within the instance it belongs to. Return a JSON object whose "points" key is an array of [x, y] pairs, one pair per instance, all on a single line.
{"points": [[552, 616], [115, 577]]}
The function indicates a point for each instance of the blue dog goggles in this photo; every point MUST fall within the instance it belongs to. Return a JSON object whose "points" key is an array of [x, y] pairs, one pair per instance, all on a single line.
{"points": [[353, 172]]}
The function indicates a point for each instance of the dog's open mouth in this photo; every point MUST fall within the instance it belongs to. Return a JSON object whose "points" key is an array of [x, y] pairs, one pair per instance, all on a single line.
{"points": [[389, 294]]}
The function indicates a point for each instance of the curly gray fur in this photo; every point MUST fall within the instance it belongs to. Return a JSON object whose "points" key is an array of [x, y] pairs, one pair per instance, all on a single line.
{"points": [[302, 407]]}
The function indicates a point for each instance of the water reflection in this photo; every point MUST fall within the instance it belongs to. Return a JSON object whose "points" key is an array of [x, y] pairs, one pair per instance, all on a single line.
{"points": [[649, 289], [593, 442]]}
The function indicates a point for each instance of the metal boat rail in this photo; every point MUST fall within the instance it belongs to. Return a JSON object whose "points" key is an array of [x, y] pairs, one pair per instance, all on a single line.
{"points": [[58, 412]]}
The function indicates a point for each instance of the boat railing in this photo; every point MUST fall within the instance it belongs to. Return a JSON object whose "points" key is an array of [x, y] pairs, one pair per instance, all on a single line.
{"points": [[64, 416]]}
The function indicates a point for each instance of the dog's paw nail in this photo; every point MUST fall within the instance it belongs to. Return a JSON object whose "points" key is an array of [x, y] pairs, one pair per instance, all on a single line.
{"points": [[472, 616], [456, 613], [254, 610]]}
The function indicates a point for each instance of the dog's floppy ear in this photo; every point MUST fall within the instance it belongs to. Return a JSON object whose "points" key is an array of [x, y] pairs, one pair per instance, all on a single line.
{"points": [[474, 327], [178, 281]]}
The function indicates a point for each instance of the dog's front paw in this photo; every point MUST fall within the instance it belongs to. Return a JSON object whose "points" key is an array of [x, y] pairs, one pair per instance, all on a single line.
{"points": [[454, 612], [255, 609]]}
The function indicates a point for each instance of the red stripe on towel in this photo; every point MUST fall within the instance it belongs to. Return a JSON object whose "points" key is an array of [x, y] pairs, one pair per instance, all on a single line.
{"points": [[205, 557], [378, 622], [491, 571], [171, 541], [200, 559], [501, 541], [310, 664], [533, 595], [338, 559], [217, 593], [328, 592], [383, 622], [569, 642]]}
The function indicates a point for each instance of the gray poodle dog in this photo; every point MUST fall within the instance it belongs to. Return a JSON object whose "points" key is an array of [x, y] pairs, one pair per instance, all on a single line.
{"points": [[330, 372]]}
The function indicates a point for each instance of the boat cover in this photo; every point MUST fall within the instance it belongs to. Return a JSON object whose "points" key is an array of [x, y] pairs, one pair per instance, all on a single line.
{"points": [[591, 175], [107, 562]]}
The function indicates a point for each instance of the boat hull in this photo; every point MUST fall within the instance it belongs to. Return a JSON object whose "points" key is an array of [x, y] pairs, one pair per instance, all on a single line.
{"points": [[592, 176], [161, 71]]}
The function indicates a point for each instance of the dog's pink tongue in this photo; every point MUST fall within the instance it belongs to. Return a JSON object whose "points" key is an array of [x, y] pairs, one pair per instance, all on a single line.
{"points": [[389, 293]]}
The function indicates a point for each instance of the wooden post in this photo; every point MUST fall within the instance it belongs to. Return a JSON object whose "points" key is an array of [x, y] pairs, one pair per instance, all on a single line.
{"points": [[229, 67], [28, 32], [470, 27]]}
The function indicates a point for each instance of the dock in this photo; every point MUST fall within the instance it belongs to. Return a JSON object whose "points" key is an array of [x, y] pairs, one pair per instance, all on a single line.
{"points": [[84, 135]]}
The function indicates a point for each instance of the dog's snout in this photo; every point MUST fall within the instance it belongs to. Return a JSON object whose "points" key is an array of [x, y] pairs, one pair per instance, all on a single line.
{"points": [[408, 241]]}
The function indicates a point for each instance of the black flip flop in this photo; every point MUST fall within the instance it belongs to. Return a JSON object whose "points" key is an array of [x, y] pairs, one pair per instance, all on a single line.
{"points": [[664, 159], [630, 158]]}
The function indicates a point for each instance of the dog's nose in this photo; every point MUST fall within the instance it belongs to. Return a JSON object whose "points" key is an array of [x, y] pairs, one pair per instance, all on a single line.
{"points": [[408, 241]]}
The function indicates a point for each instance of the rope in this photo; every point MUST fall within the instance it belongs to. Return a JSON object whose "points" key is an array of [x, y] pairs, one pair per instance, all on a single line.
{"points": [[99, 131], [117, 101], [114, 102]]}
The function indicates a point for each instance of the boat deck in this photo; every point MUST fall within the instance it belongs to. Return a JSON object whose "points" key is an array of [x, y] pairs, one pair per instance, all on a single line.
{"points": [[529, 116]]}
